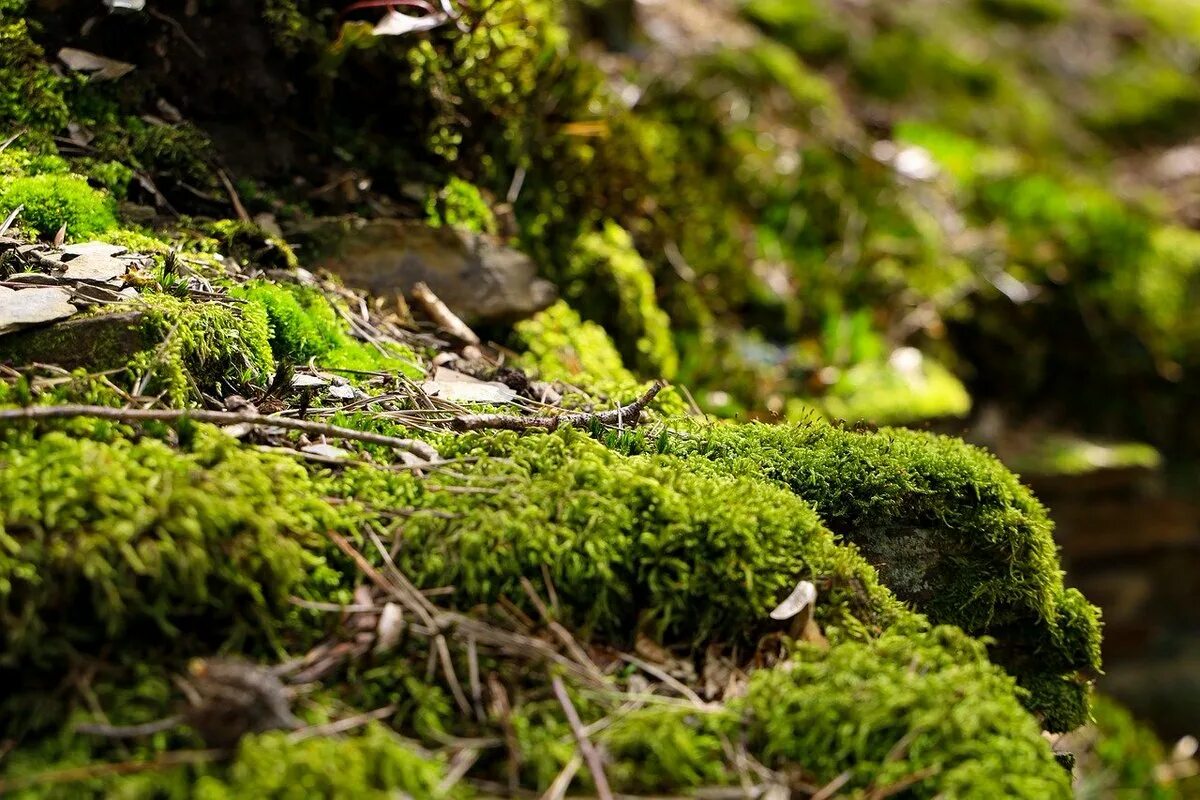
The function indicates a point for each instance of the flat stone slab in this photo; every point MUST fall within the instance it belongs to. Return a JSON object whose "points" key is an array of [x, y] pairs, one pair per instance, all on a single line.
{"points": [[478, 277], [94, 343], [95, 268], [20, 308]]}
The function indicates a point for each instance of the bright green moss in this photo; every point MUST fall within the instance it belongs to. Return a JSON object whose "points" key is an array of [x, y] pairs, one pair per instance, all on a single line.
{"points": [[304, 327], [16, 161], [163, 550], [52, 201], [459, 204], [924, 706], [213, 347], [948, 527], [30, 92], [374, 766], [1065, 455], [1119, 756], [638, 542], [900, 390], [605, 267]]}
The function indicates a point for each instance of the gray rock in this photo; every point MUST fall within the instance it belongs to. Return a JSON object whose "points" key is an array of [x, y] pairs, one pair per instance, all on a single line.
{"points": [[92, 249], [94, 343], [95, 268], [22, 307], [477, 276]]}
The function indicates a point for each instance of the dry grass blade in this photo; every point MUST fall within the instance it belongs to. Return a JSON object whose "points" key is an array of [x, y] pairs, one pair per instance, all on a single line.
{"points": [[591, 756], [441, 314], [830, 789], [413, 446], [561, 633], [342, 725]]}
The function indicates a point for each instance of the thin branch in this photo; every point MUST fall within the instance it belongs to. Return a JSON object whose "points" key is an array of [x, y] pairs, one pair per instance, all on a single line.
{"points": [[413, 446], [341, 725], [129, 731], [830, 789], [441, 314], [591, 755], [560, 632], [620, 416], [175, 758]]}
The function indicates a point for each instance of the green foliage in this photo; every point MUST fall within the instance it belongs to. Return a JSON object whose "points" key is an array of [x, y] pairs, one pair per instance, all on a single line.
{"points": [[1027, 12], [304, 326], [30, 92], [374, 765], [607, 270], [949, 528], [1066, 455], [634, 543], [900, 390], [922, 708], [169, 552], [211, 347], [1123, 757], [53, 200], [459, 204]]}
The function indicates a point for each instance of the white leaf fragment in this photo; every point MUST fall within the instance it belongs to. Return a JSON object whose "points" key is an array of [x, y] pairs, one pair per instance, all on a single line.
{"points": [[804, 595]]}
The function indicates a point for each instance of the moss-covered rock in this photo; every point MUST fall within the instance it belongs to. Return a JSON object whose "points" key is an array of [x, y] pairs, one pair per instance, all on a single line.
{"points": [[51, 201], [949, 529]]}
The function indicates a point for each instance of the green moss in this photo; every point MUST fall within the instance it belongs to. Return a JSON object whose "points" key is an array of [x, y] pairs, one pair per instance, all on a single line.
{"points": [[373, 766], [808, 26], [460, 204], [30, 92], [926, 708], [211, 347], [1117, 755], [1065, 455], [1027, 12], [606, 268], [906, 388], [166, 551], [250, 244], [304, 326], [634, 543], [51, 201], [949, 528]]}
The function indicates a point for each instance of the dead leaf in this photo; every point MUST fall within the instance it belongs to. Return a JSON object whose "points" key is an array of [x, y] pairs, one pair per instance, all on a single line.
{"points": [[801, 597], [97, 67], [61, 236], [395, 23], [391, 626]]}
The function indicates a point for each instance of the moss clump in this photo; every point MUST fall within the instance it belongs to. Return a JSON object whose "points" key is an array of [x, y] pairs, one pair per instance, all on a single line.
{"points": [[30, 92], [1027, 12], [166, 551], [52, 201], [922, 708], [460, 205], [1067, 455], [204, 347], [373, 766], [949, 528], [606, 268], [250, 244], [305, 327], [634, 542], [1118, 756], [906, 388]]}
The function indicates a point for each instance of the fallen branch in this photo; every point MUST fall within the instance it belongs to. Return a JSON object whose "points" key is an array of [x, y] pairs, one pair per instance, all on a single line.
{"points": [[129, 731], [591, 755], [413, 446], [441, 314], [623, 416]]}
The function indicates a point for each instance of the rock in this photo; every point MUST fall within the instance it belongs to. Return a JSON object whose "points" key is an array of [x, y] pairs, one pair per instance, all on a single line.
{"points": [[96, 343], [92, 249], [95, 268], [456, 387], [22, 307], [477, 276]]}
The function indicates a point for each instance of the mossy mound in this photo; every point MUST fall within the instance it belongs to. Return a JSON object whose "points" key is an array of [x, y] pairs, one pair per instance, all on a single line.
{"points": [[949, 528]]}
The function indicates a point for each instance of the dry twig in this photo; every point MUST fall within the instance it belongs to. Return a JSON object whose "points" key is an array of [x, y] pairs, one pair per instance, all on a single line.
{"points": [[624, 416], [587, 750], [413, 446]]}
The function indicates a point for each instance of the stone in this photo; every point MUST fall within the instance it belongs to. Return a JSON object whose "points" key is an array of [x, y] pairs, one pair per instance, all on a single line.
{"points": [[457, 387], [96, 343], [92, 249], [22, 307], [95, 268], [477, 276]]}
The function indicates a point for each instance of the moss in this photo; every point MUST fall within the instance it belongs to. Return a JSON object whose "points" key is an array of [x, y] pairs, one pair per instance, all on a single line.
{"points": [[926, 709], [250, 244], [1027, 12], [808, 26], [205, 347], [949, 528], [1119, 756], [30, 92], [460, 204], [1065, 455], [374, 765], [51, 201], [161, 549], [605, 267], [906, 388], [634, 543], [304, 327]]}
